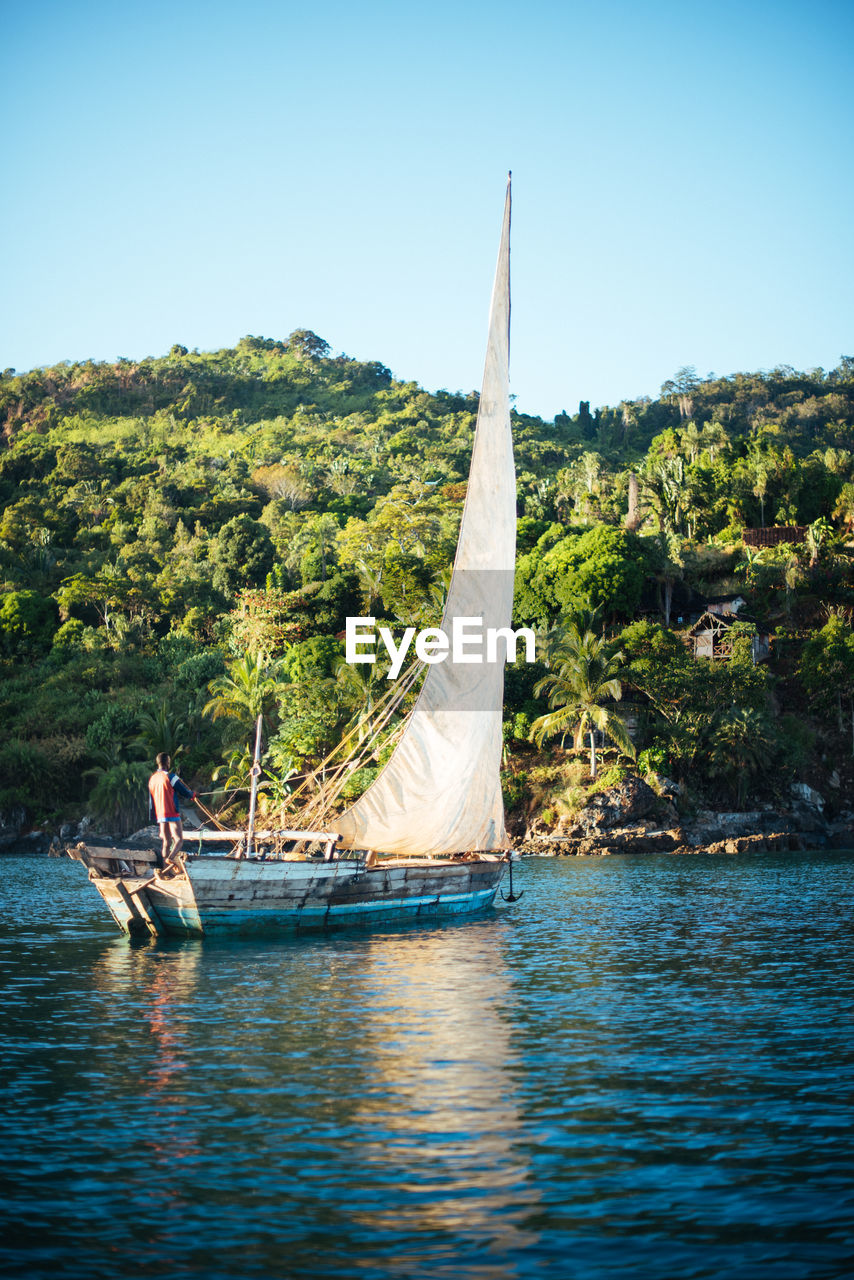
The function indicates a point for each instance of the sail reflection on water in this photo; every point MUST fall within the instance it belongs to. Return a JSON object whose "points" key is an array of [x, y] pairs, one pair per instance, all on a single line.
{"points": [[437, 1105], [368, 1078]]}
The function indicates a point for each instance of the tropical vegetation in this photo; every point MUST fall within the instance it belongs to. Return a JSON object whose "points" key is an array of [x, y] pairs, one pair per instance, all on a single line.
{"points": [[182, 538]]}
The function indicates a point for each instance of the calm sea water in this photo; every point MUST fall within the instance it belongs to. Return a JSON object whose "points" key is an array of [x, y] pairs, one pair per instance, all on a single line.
{"points": [[645, 1068]]}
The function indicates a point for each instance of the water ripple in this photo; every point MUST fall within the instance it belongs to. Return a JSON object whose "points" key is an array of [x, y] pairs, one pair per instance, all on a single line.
{"points": [[643, 1069]]}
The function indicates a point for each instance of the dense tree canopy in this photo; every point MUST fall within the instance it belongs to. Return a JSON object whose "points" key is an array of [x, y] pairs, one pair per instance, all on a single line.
{"points": [[163, 520]]}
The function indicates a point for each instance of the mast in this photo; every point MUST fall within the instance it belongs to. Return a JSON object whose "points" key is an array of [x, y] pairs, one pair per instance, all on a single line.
{"points": [[253, 795]]}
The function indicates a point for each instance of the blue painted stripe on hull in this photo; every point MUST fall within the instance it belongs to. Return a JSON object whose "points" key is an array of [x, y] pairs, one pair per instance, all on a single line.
{"points": [[175, 919], [258, 919], [120, 914]]}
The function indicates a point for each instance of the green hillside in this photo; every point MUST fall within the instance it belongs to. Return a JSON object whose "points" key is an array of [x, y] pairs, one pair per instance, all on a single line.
{"points": [[183, 537]]}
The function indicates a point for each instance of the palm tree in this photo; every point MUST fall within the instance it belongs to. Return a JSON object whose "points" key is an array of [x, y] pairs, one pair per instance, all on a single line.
{"points": [[316, 538], [838, 461], [760, 485], [245, 692], [235, 772], [585, 478], [714, 438], [691, 441], [583, 622], [670, 568], [586, 676], [740, 746], [817, 539], [165, 730], [748, 566], [356, 692], [565, 488], [791, 577], [371, 581], [665, 491]]}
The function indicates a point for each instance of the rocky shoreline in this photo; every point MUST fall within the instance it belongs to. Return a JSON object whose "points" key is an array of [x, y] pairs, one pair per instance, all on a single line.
{"points": [[674, 840], [631, 818], [627, 819], [17, 839]]}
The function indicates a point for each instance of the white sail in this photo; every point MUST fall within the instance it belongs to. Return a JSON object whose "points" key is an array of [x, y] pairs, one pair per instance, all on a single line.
{"points": [[440, 792]]}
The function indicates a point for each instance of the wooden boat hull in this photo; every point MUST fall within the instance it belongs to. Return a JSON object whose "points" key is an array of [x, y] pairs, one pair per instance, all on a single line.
{"points": [[220, 895]]}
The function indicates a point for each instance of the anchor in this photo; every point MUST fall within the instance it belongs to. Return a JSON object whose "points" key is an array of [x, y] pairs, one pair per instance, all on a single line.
{"points": [[511, 896]]}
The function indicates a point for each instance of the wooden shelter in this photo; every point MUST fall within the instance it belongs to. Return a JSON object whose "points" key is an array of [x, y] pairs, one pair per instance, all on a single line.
{"points": [[773, 535], [712, 637]]}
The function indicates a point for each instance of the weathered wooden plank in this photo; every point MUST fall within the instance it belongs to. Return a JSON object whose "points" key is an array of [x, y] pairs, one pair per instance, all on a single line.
{"points": [[139, 919], [449, 869], [119, 908]]}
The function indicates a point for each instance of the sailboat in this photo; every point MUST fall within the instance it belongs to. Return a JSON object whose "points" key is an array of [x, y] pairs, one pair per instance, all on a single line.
{"points": [[427, 839]]}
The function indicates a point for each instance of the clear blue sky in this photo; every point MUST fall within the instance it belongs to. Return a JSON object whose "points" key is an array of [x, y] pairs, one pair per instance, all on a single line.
{"points": [[193, 172]]}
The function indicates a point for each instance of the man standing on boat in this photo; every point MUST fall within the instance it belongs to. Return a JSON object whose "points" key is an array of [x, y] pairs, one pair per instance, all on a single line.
{"points": [[162, 788]]}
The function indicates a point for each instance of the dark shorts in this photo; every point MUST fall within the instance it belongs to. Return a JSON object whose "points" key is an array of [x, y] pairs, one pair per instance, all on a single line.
{"points": [[169, 818]]}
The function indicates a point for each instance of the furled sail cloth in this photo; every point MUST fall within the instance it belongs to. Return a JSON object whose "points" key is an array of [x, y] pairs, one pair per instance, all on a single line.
{"points": [[440, 792]]}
